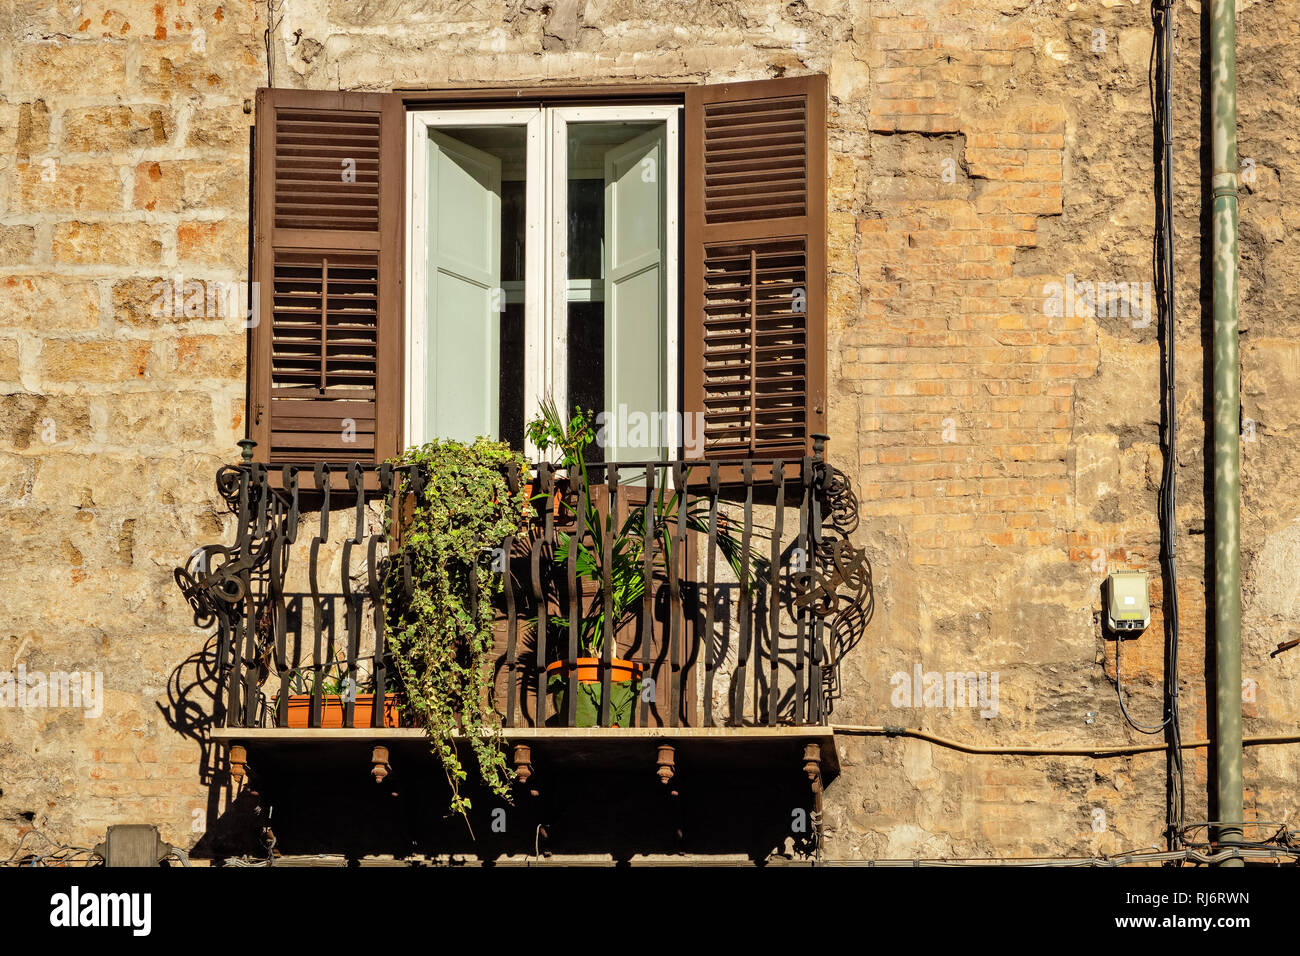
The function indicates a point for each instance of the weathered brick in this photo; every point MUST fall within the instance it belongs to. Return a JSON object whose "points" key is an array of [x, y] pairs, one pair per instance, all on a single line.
{"points": [[17, 244], [159, 419], [49, 69], [68, 480], [34, 421], [95, 362], [188, 478], [223, 244], [181, 68], [48, 303], [8, 360], [109, 129], [209, 356], [125, 243], [142, 302], [155, 301], [33, 129], [125, 19], [190, 184], [68, 187], [225, 128]]}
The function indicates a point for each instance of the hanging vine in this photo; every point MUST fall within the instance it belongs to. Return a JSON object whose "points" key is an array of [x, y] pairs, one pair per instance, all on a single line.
{"points": [[439, 583]]}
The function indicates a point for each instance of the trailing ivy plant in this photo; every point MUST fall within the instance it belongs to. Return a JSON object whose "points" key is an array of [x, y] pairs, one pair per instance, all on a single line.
{"points": [[439, 583]]}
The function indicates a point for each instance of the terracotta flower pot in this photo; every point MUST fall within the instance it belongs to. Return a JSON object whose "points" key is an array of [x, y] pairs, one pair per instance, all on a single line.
{"points": [[624, 690], [331, 711], [556, 498]]}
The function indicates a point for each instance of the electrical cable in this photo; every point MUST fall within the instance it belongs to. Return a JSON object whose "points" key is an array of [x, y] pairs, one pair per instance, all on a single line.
{"points": [[1101, 751], [1119, 692], [1126, 858], [61, 854], [1282, 837], [1159, 73], [268, 37]]}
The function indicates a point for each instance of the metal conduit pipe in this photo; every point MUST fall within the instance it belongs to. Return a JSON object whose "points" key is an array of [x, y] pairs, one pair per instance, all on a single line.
{"points": [[1227, 423]]}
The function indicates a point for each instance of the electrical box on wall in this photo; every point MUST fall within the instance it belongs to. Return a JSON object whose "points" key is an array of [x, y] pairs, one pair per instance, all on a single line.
{"points": [[132, 844], [1128, 602], [136, 844]]}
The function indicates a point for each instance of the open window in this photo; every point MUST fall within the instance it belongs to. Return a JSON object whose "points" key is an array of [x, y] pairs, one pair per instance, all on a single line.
{"points": [[434, 271], [541, 261]]}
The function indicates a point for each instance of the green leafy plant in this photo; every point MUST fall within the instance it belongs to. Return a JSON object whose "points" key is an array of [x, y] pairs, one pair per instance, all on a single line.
{"points": [[571, 439], [334, 680], [439, 584]]}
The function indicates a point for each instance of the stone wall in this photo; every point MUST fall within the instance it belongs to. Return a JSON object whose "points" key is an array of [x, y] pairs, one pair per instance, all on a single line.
{"points": [[1005, 458]]}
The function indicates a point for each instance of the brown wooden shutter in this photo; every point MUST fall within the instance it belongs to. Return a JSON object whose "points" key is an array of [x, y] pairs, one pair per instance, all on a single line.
{"points": [[326, 364], [754, 289]]}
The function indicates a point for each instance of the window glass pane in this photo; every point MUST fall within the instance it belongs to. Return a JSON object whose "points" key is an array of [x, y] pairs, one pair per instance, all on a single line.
{"points": [[510, 390], [616, 283], [474, 334], [586, 342], [586, 227]]}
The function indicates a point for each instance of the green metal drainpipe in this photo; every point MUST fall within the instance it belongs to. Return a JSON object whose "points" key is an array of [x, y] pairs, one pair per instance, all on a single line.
{"points": [[1227, 422]]}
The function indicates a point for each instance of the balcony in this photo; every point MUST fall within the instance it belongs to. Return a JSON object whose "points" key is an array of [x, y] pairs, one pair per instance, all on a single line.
{"points": [[734, 643]]}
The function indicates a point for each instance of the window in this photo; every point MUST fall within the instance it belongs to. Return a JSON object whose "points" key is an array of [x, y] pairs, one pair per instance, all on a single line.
{"points": [[542, 261], [427, 268]]}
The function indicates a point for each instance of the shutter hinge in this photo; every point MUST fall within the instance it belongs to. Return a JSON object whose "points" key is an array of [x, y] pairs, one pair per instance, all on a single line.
{"points": [[258, 407]]}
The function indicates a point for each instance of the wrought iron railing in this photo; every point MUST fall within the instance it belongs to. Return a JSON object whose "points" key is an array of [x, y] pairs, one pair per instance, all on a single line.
{"points": [[711, 647]]}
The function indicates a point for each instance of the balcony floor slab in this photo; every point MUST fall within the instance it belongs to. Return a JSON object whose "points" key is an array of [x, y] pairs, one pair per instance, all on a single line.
{"points": [[710, 747]]}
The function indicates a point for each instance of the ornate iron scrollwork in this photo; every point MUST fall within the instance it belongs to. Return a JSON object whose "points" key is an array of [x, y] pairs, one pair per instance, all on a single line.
{"points": [[235, 588], [837, 586]]}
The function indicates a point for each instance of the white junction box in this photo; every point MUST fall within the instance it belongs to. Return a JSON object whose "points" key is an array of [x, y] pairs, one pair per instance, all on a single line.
{"points": [[1128, 602]]}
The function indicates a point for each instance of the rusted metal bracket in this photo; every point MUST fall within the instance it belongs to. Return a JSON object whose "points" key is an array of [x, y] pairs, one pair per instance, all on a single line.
{"points": [[666, 772], [379, 765], [666, 763], [238, 763], [521, 761]]}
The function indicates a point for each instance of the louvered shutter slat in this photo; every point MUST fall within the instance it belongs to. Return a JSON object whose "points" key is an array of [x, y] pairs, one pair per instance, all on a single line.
{"points": [[755, 265], [326, 382]]}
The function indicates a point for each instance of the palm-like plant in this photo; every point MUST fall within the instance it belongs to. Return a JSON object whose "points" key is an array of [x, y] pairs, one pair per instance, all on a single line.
{"points": [[626, 557]]}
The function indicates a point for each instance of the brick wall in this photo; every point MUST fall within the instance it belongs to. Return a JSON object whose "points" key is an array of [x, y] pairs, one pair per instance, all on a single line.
{"points": [[1005, 457], [124, 162]]}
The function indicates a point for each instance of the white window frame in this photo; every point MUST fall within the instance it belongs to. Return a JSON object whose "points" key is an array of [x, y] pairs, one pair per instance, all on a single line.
{"points": [[560, 117], [417, 246], [545, 309]]}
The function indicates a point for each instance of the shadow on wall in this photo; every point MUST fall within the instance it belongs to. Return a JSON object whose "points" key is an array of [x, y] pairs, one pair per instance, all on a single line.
{"points": [[190, 709]]}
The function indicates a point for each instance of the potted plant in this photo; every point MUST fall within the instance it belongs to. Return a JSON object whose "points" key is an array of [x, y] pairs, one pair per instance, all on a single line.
{"points": [[626, 559], [337, 690], [439, 583]]}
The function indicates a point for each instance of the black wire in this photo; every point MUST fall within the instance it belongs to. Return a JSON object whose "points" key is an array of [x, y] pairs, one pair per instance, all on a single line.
{"points": [[1159, 78], [268, 35], [1119, 692]]}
